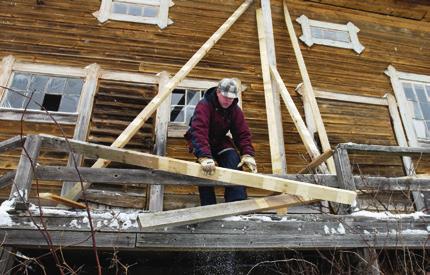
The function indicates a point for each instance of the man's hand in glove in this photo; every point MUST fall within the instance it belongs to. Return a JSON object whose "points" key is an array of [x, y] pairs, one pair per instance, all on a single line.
{"points": [[249, 161], [208, 165]]}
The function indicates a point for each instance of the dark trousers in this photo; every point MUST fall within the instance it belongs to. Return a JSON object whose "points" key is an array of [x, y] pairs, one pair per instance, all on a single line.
{"points": [[228, 159]]}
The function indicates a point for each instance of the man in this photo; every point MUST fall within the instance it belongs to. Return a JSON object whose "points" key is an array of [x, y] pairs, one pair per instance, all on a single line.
{"points": [[215, 115]]}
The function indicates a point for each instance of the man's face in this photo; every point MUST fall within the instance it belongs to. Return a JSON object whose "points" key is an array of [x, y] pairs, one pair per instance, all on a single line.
{"points": [[224, 101]]}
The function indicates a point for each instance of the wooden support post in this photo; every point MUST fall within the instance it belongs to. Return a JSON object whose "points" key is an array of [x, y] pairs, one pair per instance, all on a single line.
{"points": [[83, 123], [24, 172], [401, 140], [316, 162], [12, 143], [140, 120], [193, 169], [162, 122], [271, 92], [308, 90], [306, 137], [346, 181], [209, 212], [5, 72]]}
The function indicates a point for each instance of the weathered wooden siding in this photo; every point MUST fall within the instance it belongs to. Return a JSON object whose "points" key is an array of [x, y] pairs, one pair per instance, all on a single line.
{"points": [[66, 33]]}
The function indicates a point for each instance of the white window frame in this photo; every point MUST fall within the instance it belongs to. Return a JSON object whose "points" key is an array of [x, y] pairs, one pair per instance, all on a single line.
{"points": [[9, 66], [105, 12], [178, 129], [396, 78], [307, 38]]}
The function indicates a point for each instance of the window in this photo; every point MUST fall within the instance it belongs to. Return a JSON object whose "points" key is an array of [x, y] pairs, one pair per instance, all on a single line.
{"points": [[183, 104], [53, 93], [330, 34], [138, 11], [412, 93], [418, 97]]}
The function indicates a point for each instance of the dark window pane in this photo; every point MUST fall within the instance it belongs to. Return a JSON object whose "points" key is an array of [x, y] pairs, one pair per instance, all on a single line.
{"points": [[20, 81], [150, 11], [38, 83], [134, 10], [69, 104], [177, 114], [193, 97], [51, 102], [119, 8], [56, 85], [425, 109], [178, 97], [409, 92], [73, 86], [419, 90]]}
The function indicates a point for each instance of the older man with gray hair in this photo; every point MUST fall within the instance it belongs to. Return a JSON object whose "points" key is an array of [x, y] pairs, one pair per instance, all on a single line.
{"points": [[215, 115]]}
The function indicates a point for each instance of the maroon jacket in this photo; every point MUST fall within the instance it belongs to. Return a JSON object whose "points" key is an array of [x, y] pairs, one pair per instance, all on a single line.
{"points": [[210, 124]]}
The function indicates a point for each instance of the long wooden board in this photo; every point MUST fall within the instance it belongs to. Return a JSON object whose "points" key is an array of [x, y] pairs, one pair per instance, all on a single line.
{"points": [[307, 190], [209, 212]]}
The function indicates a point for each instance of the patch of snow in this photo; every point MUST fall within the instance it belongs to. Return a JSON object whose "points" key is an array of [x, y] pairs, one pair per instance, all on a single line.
{"points": [[114, 223], [414, 231], [428, 228], [74, 223], [233, 219], [341, 229], [326, 230], [393, 231], [366, 232], [388, 215], [5, 219]]}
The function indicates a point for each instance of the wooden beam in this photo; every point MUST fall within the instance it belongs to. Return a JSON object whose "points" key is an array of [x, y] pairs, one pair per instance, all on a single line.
{"points": [[306, 137], [63, 201], [149, 176], [24, 172], [271, 93], [5, 72], [85, 109], [140, 120], [309, 94], [316, 162], [209, 212], [12, 143], [306, 190], [389, 150], [162, 122], [408, 165]]}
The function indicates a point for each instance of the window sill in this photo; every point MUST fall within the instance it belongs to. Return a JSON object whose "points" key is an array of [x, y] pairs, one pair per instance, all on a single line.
{"points": [[38, 116]]}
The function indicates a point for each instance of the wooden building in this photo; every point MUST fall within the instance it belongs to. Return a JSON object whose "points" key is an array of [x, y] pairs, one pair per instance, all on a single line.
{"points": [[96, 64]]}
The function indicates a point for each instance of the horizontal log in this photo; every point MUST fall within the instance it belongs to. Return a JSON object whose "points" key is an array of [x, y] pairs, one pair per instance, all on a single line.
{"points": [[115, 229], [12, 143], [395, 150], [305, 190], [38, 116], [7, 178], [149, 176]]}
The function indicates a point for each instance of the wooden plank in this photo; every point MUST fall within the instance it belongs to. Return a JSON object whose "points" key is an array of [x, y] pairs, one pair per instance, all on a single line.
{"points": [[306, 137], [162, 122], [147, 176], [344, 175], [5, 71], [308, 191], [274, 121], [308, 88], [84, 109], [63, 201], [12, 143], [408, 165], [24, 172], [37, 116], [391, 150], [138, 122], [316, 162], [209, 212]]}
